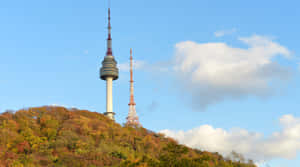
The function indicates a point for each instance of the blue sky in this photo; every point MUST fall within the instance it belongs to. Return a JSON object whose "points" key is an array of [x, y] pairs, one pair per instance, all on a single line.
{"points": [[51, 52]]}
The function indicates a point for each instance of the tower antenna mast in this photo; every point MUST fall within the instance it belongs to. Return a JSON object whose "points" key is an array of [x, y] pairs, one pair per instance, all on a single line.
{"points": [[109, 3], [132, 118]]}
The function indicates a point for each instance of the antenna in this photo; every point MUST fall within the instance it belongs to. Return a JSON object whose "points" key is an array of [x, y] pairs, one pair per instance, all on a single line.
{"points": [[109, 3], [109, 40], [132, 118]]}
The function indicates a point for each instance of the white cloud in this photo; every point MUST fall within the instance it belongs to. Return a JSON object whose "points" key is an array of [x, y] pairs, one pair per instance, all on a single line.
{"points": [[253, 145], [209, 73], [143, 65], [221, 33], [137, 64], [212, 72], [61, 105]]}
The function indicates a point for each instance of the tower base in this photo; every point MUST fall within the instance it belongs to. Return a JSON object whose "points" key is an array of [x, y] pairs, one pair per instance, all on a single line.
{"points": [[110, 115]]}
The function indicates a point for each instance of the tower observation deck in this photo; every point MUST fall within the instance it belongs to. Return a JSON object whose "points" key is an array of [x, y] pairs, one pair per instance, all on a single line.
{"points": [[109, 72]]}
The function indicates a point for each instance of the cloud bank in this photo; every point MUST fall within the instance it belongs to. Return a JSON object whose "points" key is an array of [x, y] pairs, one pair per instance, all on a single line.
{"points": [[212, 72], [222, 33], [252, 145]]}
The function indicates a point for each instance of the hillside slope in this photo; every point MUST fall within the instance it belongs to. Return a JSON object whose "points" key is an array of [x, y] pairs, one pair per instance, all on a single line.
{"points": [[56, 136]]}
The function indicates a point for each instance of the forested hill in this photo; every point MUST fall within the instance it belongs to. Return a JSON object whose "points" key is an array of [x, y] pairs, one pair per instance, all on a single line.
{"points": [[56, 136]]}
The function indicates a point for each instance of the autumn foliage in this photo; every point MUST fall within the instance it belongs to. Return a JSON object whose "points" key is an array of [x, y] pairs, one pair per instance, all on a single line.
{"points": [[56, 136]]}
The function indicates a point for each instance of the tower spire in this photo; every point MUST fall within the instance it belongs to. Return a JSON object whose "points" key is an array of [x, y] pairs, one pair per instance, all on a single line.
{"points": [[109, 40], [132, 118]]}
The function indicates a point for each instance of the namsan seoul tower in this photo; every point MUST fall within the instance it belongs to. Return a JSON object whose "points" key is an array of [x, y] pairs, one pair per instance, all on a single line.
{"points": [[109, 72], [132, 118]]}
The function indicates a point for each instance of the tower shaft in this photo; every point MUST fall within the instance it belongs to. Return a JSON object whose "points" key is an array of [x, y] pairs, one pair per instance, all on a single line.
{"points": [[109, 101]]}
